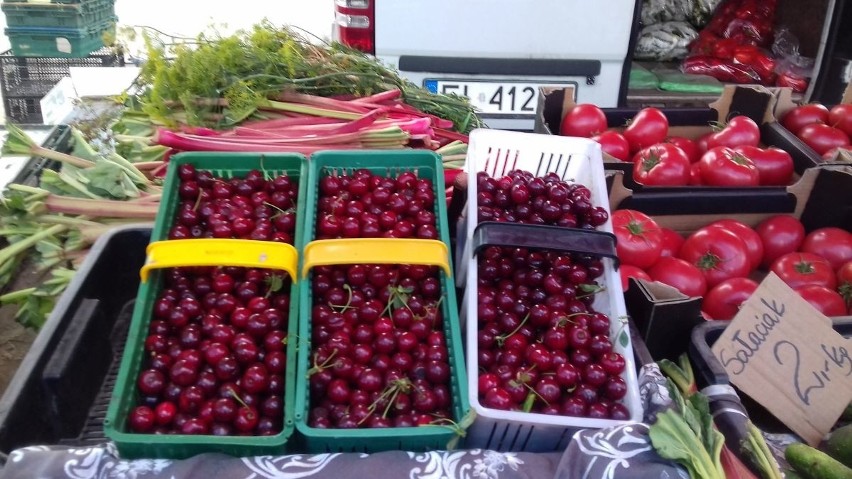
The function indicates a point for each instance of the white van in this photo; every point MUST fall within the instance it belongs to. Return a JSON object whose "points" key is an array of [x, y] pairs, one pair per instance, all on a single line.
{"points": [[498, 52]]}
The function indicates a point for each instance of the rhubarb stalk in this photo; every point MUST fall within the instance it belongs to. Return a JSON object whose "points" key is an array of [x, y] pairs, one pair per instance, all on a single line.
{"points": [[19, 143], [100, 208]]}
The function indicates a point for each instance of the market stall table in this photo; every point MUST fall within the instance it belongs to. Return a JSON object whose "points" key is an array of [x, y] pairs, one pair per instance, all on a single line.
{"points": [[623, 452]]}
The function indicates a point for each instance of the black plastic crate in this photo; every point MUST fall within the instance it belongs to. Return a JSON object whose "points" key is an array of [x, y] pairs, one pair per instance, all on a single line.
{"points": [[60, 393], [25, 80], [709, 371], [59, 139]]}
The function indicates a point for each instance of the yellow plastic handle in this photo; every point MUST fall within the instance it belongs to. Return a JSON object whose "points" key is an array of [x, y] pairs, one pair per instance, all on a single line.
{"points": [[375, 251], [221, 252]]}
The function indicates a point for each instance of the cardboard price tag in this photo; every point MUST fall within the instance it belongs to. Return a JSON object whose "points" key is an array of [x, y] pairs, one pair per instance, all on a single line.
{"points": [[784, 354]]}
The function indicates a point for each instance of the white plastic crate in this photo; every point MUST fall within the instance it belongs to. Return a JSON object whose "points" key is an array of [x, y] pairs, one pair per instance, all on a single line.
{"points": [[498, 152], [574, 159]]}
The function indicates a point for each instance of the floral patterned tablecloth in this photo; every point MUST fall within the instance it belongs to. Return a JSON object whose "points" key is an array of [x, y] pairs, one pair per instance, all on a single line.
{"points": [[622, 452]]}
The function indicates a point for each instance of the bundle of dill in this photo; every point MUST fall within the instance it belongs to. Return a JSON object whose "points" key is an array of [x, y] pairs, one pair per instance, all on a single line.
{"points": [[218, 81]]}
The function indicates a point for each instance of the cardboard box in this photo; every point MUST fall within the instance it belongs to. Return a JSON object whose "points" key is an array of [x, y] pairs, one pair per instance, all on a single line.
{"points": [[663, 316], [87, 92], [756, 102], [821, 197], [783, 104]]}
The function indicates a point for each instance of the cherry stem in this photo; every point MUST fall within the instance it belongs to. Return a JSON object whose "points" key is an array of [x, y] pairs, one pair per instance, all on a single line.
{"points": [[320, 367], [537, 394], [502, 339], [239, 399], [396, 292], [624, 324], [563, 320], [197, 202], [447, 422], [344, 308], [390, 403], [393, 389], [283, 212], [590, 291], [279, 210], [263, 169], [275, 283]]}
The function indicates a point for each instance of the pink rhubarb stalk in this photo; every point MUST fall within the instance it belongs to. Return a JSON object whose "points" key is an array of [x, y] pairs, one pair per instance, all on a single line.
{"points": [[322, 102], [383, 97], [101, 208]]}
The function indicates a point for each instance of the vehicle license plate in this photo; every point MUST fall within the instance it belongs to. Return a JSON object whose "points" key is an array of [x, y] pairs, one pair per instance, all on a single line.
{"points": [[495, 98]]}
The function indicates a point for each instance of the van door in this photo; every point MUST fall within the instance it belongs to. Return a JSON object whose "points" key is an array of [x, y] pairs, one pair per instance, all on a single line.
{"points": [[498, 52]]}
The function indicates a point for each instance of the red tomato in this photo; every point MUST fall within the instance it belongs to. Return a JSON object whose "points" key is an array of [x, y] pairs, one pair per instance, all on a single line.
{"points": [[672, 241], [638, 238], [840, 117], [661, 165], [695, 174], [844, 274], [740, 130], [774, 165], [628, 271], [648, 127], [718, 253], [702, 144], [833, 244], [723, 301], [801, 269], [844, 282], [614, 144], [781, 234], [825, 300], [752, 240], [722, 166], [823, 138], [679, 274], [688, 146], [803, 115], [585, 120]]}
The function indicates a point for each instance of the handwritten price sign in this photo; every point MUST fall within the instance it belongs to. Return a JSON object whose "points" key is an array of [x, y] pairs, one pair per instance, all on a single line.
{"points": [[785, 355]]}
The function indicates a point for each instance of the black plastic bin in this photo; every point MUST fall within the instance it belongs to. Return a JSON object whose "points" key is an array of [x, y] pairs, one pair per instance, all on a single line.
{"points": [[709, 371], [60, 393], [24, 81]]}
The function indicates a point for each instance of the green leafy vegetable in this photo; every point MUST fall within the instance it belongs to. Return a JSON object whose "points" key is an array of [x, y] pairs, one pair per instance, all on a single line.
{"points": [[686, 435], [110, 179], [221, 80], [757, 451]]}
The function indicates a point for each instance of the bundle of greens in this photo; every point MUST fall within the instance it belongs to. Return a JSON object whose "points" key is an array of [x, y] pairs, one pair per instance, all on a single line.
{"points": [[219, 81]]}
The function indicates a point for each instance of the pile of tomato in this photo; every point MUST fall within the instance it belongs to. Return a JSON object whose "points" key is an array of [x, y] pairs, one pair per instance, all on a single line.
{"points": [[724, 260], [730, 155], [823, 129]]}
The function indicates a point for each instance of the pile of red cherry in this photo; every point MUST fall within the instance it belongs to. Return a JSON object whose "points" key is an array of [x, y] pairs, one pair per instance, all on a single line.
{"points": [[520, 197], [215, 354], [379, 357], [367, 205], [541, 347]]}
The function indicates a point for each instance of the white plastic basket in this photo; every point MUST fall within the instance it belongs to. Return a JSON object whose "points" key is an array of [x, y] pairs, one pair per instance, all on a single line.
{"points": [[498, 152], [577, 159]]}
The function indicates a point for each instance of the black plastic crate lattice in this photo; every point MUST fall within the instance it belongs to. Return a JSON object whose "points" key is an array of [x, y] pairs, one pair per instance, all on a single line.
{"points": [[25, 80]]}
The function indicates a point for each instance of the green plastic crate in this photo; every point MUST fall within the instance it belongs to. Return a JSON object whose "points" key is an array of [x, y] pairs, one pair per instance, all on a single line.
{"points": [[124, 398], [424, 438], [58, 42], [59, 15]]}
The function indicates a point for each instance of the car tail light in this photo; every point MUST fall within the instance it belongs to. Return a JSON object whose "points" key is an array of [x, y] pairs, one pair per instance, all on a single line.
{"points": [[355, 24]]}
